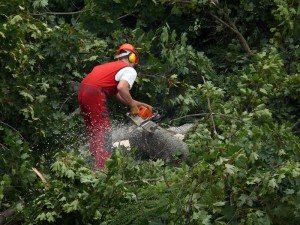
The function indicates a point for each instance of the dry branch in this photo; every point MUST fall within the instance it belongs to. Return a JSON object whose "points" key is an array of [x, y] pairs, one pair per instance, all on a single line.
{"points": [[40, 176]]}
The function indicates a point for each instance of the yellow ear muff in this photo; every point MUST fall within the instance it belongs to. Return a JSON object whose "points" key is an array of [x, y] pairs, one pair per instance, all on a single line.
{"points": [[132, 58]]}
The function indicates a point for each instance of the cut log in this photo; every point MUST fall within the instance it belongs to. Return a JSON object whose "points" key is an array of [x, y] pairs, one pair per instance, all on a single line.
{"points": [[159, 144]]}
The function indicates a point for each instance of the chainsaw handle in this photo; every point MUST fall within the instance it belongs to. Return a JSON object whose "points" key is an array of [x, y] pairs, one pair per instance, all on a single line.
{"points": [[144, 112]]}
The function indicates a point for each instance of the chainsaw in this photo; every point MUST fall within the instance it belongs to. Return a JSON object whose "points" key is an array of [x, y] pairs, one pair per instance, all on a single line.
{"points": [[144, 119]]}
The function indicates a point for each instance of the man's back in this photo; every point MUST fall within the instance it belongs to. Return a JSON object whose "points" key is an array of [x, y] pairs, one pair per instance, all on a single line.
{"points": [[104, 75]]}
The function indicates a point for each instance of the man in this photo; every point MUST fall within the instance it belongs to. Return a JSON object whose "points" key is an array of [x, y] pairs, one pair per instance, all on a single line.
{"points": [[111, 79]]}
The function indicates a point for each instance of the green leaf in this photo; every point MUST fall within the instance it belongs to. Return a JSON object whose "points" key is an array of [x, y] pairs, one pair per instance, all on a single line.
{"points": [[272, 183], [230, 169], [219, 203], [41, 217], [40, 3], [289, 191], [263, 91], [173, 209], [73, 206], [26, 96], [253, 157], [2, 34], [24, 156], [296, 172], [15, 19], [41, 98], [70, 174]]}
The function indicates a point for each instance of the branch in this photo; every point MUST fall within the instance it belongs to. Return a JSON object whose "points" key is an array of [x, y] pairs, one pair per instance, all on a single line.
{"points": [[40, 176], [143, 180], [121, 17], [58, 13], [65, 101], [191, 202], [210, 111], [13, 130], [3, 146], [234, 29], [165, 177], [295, 125], [204, 114]]}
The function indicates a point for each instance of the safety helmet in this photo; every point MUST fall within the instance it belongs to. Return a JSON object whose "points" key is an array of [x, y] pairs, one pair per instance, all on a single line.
{"points": [[130, 51]]}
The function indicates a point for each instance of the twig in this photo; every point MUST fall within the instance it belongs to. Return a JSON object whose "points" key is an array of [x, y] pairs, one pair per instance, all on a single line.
{"points": [[2, 145], [121, 17], [295, 125], [100, 171], [210, 111], [65, 102]]}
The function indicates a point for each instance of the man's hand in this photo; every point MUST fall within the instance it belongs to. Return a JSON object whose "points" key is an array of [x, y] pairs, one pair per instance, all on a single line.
{"points": [[134, 110]]}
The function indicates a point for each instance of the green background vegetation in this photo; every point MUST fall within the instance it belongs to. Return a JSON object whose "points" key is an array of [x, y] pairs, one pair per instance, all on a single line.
{"points": [[232, 68]]}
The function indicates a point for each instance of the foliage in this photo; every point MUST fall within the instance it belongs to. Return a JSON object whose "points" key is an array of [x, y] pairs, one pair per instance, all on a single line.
{"points": [[231, 68], [37, 78], [17, 180]]}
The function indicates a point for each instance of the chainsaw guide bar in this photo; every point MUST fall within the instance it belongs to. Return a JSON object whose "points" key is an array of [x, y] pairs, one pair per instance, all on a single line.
{"points": [[147, 125]]}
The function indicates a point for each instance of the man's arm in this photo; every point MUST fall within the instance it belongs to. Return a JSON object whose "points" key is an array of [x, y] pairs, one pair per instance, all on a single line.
{"points": [[124, 95]]}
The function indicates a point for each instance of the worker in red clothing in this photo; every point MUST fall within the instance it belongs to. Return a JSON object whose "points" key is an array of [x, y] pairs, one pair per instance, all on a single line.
{"points": [[111, 79]]}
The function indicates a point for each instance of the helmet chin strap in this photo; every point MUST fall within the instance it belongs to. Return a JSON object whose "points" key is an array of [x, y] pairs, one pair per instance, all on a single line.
{"points": [[123, 54]]}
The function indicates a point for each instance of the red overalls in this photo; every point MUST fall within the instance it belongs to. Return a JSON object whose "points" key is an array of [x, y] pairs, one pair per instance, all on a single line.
{"points": [[92, 101]]}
